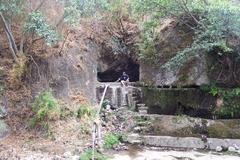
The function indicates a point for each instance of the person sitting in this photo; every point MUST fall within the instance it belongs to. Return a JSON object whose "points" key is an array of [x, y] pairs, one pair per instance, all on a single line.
{"points": [[124, 79]]}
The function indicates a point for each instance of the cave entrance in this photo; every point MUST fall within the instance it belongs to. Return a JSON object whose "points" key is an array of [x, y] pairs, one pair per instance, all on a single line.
{"points": [[109, 70]]}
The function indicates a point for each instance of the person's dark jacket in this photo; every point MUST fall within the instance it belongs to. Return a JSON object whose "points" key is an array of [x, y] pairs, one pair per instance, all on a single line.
{"points": [[124, 77]]}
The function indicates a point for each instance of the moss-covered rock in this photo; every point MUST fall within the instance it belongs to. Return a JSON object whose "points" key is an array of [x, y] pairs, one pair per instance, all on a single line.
{"points": [[224, 129]]}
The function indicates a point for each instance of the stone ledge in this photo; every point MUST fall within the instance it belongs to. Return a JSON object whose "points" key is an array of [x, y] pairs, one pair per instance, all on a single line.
{"points": [[180, 142]]}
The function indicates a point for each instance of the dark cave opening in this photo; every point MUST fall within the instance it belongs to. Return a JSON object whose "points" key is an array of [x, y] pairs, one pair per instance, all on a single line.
{"points": [[114, 69]]}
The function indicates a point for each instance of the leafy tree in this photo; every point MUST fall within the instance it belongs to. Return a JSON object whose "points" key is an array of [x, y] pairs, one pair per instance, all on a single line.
{"points": [[109, 12], [213, 22], [36, 23], [33, 21], [230, 107], [8, 9], [75, 9]]}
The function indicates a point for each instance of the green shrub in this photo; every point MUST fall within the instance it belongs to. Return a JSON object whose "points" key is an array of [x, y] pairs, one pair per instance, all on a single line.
{"points": [[87, 155], [111, 139], [104, 104], [231, 100], [43, 107], [85, 110]]}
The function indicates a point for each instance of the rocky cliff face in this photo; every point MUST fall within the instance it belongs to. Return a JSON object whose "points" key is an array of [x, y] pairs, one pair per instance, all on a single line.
{"points": [[69, 67], [192, 73], [172, 38], [199, 69], [74, 73]]}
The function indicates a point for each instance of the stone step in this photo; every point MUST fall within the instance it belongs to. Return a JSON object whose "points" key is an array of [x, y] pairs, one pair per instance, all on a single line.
{"points": [[139, 129], [142, 111], [142, 108], [141, 105], [136, 98], [136, 139], [134, 103], [134, 94], [144, 123]]}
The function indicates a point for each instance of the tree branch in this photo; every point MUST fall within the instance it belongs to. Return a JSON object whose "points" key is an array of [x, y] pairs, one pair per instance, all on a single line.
{"points": [[63, 43], [183, 5], [40, 5]]}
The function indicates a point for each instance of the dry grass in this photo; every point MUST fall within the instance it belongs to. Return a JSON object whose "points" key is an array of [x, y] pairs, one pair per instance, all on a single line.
{"points": [[18, 70]]}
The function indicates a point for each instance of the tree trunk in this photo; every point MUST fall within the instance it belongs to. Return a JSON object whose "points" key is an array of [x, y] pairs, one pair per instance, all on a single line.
{"points": [[12, 38], [11, 41], [11, 48]]}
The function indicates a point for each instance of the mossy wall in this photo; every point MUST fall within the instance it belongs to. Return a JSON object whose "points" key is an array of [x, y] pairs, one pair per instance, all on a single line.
{"points": [[170, 101]]}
